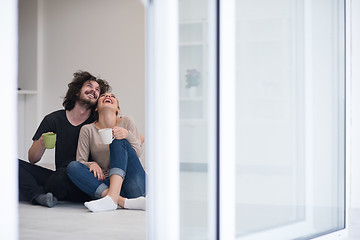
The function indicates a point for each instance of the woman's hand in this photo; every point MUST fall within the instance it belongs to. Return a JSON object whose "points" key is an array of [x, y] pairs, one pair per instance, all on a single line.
{"points": [[96, 169], [120, 133]]}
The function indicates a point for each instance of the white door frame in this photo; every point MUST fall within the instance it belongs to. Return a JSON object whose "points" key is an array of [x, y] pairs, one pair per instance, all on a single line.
{"points": [[162, 120], [8, 149]]}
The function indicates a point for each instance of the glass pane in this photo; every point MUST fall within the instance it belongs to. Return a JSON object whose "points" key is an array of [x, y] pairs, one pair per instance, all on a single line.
{"points": [[196, 133], [289, 116]]}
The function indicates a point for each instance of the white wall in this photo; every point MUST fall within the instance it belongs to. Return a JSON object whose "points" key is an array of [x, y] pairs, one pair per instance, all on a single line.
{"points": [[27, 38], [106, 38]]}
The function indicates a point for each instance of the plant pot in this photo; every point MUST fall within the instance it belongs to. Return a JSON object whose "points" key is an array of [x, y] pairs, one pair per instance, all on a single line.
{"points": [[192, 92]]}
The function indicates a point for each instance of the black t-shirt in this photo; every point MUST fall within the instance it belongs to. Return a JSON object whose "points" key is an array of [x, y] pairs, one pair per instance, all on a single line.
{"points": [[67, 135]]}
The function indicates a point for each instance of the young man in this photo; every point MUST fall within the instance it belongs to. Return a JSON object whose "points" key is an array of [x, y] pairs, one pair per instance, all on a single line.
{"points": [[44, 186]]}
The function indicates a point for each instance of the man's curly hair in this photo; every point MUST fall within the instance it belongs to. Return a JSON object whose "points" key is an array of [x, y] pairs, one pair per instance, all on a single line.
{"points": [[80, 78]]}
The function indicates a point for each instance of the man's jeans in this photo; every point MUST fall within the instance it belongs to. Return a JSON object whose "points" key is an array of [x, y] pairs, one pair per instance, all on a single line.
{"points": [[123, 162]]}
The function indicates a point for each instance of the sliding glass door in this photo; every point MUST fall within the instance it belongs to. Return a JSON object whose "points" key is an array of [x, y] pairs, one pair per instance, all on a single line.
{"points": [[290, 118], [250, 96]]}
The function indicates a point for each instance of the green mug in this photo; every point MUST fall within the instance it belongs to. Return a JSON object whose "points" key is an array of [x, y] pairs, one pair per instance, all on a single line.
{"points": [[49, 140]]}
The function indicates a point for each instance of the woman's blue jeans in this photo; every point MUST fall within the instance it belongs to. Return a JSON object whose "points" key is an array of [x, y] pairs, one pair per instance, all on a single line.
{"points": [[123, 162]]}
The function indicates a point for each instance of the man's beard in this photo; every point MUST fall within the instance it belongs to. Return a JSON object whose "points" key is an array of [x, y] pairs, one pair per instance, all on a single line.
{"points": [[85, 101]]}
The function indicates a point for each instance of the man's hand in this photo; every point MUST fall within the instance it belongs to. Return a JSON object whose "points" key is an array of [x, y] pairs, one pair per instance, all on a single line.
{"points": [[36, 150], [96, 170]]}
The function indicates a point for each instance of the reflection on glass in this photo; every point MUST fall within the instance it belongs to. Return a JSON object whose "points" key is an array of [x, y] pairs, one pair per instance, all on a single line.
{"points": [[290, 116], [194, 123]]}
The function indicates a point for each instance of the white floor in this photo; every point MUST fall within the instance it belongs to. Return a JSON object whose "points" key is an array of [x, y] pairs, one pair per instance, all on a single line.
{"points": [[354, 224], [73, 221]]}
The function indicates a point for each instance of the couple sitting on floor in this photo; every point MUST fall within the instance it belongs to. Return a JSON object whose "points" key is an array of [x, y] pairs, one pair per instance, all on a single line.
{"points": [[104, 176]]}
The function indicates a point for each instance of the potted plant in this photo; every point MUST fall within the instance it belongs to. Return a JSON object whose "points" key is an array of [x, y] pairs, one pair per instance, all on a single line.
{"points": [[192, 78]]}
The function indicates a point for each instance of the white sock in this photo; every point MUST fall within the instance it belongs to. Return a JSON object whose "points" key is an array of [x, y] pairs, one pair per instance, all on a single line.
{"points": [[135, 203], [103, 204]]}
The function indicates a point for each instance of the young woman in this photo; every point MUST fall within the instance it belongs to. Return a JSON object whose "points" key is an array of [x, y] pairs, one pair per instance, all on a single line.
{"points": [[115, 175]]}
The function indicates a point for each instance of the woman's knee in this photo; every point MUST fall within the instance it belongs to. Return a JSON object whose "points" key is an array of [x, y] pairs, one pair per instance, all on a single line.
{"points": [[73, 167], [119, 143]]}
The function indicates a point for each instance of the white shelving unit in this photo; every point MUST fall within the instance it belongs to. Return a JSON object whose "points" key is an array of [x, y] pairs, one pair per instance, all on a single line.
{"points": [[27, 74], [192, 52], [193, 100]]}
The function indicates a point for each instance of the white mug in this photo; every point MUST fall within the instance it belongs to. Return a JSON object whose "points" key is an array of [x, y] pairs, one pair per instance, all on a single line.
{"points": [[106, 135]]}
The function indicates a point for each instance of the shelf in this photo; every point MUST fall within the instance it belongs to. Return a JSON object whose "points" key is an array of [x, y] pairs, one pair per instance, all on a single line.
{"points": [[192, 122], [191, 44], [191, 99], [27, 92]]}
